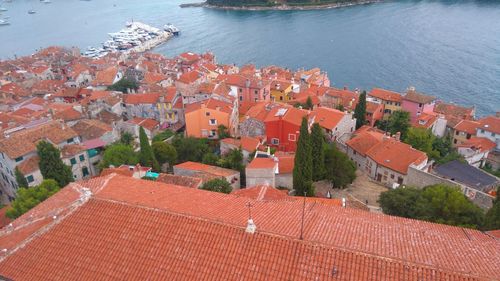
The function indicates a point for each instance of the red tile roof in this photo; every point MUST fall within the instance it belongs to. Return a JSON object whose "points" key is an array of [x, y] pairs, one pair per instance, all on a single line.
{"points": [[262, 193], [262, 163], [146, 123], [454, 110], [416, 97], [291, 115], [327, 118], [214, 170], [211, 104], [396, 155], [482, 144], [364, 139], [186, 181], [24, 142], [149, 98], [246, 143], [425, 120], [386, 95], [189, 77], [29, 166], [126, 228], [490, 124], [286, 163], [467, 126], [105, 77]]}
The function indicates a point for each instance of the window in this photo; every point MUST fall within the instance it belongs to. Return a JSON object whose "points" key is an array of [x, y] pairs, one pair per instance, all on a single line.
{"points": [[419, 113], [354, 152], [281, 97], [492, 134], [212, 121], [85, 171], [213, 133], [256, 92], [455, 141], [82, 157], [392, 176], [275, 141], [291, 137], [469, 136], [420, 105], [30, 179], [241, 90], [241, 98], [457, 132], [207, 113], [72, 161], [400, 180], [70, 140], [18, 159], [482, 131]]}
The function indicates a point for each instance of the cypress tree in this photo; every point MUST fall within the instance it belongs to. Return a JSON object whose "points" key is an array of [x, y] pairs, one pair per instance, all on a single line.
{"points": [[146, 155], [20, 179], [51, 165], [309, 103], [360, 111], [318, 153], [302, 171]]}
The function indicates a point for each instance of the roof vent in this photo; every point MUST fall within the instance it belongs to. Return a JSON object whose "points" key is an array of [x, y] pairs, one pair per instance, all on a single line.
{"points": [[387, 160], [343, 202], [486, 125], [251, 227]]}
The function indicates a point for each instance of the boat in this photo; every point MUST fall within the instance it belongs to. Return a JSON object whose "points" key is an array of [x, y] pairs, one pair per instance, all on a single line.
{"points": [[46, 1], [2, 9], [31, 12], [4, 22], [172, 29]]}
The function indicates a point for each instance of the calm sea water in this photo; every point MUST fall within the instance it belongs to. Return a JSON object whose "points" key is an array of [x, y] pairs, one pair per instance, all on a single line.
{"points": [[450, 49]]}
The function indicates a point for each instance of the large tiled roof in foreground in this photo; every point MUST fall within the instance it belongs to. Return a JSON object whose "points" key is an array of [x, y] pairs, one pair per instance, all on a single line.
{"points": [[129, 228]]}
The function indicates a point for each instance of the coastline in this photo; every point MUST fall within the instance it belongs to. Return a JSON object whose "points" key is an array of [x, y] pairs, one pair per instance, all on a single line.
{"points": [[281, 7]]}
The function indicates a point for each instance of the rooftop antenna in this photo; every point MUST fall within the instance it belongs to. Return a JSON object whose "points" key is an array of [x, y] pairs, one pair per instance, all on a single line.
{"points": [[303, 213]]}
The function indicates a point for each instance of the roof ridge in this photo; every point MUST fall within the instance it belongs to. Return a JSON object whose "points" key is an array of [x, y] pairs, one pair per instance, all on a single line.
{"points": [[404, 262]]}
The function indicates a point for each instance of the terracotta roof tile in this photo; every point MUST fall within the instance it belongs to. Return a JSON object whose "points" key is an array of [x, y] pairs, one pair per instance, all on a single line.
{"points": [[24, 142], [490, 124], [395, 155], [327, 118], [214, 170], [414, 96], [90, 129], [262, 193], [29, 165], [150, 98], [211, 104], [482, 144], [133, 228], [186, 181], [386, 95], [467, 126]]}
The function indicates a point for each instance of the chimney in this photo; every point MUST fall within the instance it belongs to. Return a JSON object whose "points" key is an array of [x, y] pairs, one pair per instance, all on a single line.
{"points": [[251, 227], [345, 88], [397, 136]]}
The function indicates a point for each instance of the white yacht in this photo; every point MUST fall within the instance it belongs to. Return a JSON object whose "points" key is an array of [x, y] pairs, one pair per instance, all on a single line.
{"points": [[172, 29], [4, 22], [2, 9]]}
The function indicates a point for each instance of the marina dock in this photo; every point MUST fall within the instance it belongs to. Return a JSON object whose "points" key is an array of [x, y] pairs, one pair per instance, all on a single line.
{"points": [[136, 37]]}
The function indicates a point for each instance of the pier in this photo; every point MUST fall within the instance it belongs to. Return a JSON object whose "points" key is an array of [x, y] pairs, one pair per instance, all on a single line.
{"points": [[137, 37]]}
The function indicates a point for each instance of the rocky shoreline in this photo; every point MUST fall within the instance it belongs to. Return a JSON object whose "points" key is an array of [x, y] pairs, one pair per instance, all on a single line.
{"points": [[281, 7]]}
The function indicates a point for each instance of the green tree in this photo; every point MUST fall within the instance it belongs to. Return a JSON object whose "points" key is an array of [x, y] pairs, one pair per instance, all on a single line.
{"points": [[340, 170], [232, 160], [210, 158], [399, 122], [423, 140], [318, 153], [492, 218], [340, 107], [302, 171], [360, 111], [123, 85], [27, 198], [51, 165], [217, 185], [309, 103], [435, 203], [146, 155], [164, 152], [222, 132], [126, 138], [401, 202], [20, 179], [448, 205], [190, 149], [163, 136], [117, 155]]}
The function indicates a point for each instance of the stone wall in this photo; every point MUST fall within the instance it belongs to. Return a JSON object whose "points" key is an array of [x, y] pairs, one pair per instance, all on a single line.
{"points": [[420, 179], [285, 180]]}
